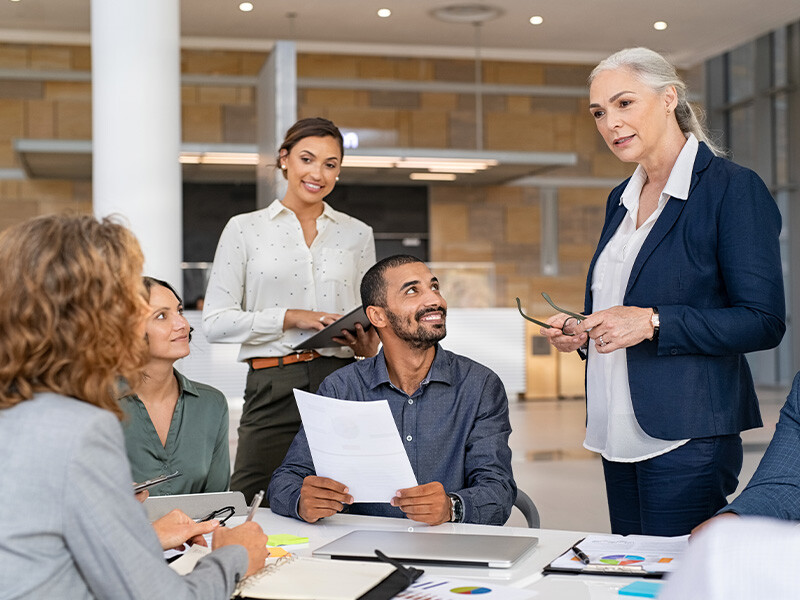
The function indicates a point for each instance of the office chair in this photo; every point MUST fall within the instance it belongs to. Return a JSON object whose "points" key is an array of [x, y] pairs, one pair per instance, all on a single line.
{"points": [[528, 509]]}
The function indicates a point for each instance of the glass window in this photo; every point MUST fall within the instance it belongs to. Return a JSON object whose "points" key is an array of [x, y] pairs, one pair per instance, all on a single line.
{"points": [[779, 63], [741, 138], [741, 72], [780, 104]]}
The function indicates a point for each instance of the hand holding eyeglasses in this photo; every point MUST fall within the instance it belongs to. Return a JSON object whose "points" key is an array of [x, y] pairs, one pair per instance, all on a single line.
{"points": [[611, 329], [564, 330], [619, 327]]}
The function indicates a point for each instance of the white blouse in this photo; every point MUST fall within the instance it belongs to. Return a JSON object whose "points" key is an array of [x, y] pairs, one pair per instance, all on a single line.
{"points": [[612, 428], [263, 267]]}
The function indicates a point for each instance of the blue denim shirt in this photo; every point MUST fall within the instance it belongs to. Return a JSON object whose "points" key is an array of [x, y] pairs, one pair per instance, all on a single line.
{"points": [[455, 430]]}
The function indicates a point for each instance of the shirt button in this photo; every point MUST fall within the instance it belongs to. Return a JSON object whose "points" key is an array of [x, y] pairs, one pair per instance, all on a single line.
{"points": [[410, 401], [409, 438]]}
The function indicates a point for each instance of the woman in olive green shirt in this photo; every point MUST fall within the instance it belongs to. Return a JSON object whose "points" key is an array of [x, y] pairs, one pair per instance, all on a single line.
{"points": [[173, 423]]}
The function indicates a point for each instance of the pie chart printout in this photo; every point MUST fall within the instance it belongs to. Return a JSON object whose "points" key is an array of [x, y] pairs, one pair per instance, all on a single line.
{"points": [[622, 559]]}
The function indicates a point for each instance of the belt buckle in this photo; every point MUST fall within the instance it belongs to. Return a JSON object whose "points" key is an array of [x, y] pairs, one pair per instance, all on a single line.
{"points": [[305, 356]]}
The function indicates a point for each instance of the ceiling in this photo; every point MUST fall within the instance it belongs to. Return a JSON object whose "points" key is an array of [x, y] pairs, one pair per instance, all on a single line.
{"points": [[573, 30]]}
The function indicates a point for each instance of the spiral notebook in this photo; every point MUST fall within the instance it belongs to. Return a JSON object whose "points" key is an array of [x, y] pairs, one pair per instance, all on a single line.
{"points": [[300, 578]]}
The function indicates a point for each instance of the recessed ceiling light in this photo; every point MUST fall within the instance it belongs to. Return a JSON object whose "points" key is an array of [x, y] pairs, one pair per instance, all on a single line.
{"points": [[660, 25], [246, 6], [536, 20], [384, 12]]}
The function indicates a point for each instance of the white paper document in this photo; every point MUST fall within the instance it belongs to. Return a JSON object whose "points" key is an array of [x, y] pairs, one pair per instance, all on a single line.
{"points": [[357, 444], [652, 554], [447, 588]]}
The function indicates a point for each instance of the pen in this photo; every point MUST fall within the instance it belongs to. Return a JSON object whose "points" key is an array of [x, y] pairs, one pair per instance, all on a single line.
{"points": [[580, 554], [254, 506]]}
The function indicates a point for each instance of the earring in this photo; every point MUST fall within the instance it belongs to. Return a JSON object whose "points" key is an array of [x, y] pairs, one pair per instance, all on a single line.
{"points": [[283, 167], [337, 178]]}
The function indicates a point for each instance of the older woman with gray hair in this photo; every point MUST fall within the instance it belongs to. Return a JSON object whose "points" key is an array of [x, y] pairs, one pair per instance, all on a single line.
{"points": [[685, 280]]}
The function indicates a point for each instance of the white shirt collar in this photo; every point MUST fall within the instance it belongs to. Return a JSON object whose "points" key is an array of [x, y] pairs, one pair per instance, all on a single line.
{"points": [[277, 207], [680, 178]]}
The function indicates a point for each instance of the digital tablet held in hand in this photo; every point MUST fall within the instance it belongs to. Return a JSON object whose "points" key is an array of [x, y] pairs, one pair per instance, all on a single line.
{"points": [[324, 337], [138, 487]]}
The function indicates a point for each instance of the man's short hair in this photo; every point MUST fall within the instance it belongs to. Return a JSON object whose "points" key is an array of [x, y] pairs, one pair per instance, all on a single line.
{"points": [[373, 285]]}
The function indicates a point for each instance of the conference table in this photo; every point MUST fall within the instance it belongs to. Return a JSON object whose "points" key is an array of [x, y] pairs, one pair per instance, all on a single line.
{"points": [[526, 573]]}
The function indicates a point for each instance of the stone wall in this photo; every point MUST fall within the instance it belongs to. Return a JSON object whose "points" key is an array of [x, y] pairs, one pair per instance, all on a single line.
{"points": [[495, 224]]}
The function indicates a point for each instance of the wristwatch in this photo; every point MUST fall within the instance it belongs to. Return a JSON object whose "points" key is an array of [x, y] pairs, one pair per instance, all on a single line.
{"points": [[655, 322], [456, 509]]}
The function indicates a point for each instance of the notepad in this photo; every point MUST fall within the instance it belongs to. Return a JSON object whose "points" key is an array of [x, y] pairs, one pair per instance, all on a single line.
{"points": [[301, 578]]}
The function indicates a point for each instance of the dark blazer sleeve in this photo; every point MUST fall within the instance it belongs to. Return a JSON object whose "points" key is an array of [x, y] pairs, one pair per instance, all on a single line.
{"points": [[774, 490], [712, 266], [743, 309]]}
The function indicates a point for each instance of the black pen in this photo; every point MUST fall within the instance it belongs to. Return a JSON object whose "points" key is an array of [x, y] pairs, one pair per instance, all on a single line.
{"points": [[580, 554]]}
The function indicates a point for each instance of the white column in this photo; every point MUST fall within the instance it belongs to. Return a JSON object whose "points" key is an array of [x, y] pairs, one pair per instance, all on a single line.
{"points": [[136, 125], [276, 111]]}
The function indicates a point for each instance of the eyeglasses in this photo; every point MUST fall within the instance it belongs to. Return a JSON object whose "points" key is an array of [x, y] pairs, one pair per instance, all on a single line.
{"points": [[567, 328], [218, 514]]}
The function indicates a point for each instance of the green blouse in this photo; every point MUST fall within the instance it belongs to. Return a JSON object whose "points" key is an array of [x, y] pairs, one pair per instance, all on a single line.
{"points": [[197, 441]]}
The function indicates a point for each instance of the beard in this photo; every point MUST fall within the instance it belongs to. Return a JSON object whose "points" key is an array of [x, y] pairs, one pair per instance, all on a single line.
{"points": [[421, 336]]}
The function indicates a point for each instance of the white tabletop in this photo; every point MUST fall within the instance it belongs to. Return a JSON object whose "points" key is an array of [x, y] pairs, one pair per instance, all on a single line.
{"points": [[526, 573]]}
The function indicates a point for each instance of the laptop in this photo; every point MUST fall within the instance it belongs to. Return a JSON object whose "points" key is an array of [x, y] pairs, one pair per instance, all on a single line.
{"points": [[469, 550]]}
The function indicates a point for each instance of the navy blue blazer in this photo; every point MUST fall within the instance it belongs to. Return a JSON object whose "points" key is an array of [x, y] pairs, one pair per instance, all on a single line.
{"points": [[712, 266]]}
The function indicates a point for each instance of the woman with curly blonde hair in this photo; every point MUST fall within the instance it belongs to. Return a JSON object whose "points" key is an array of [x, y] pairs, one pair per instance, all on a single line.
{"points": [[72, 310]]}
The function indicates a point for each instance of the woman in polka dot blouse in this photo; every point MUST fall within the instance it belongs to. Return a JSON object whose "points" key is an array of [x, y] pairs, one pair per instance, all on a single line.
{"points": [[279, 275]]}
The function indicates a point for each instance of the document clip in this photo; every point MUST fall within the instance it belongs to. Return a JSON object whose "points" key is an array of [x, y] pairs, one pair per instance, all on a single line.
{"points": [[616, 569]]}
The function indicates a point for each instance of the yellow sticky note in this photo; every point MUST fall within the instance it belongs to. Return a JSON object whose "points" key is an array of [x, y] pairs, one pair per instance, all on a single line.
{"points": [[286, 539]]}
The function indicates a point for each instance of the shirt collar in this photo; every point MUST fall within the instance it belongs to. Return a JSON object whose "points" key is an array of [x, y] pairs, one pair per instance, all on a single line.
{"points": [[276, 208], [440, 370], [680, 178], [327, 211], [185, 385]]}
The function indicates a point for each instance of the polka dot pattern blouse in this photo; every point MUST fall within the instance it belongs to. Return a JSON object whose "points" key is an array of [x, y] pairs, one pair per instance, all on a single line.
{"points": [[263, 267]]}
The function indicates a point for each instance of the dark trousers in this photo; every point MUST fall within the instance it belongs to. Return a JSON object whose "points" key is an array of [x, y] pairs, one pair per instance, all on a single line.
{"points": [[673, 493], [270, 419]]}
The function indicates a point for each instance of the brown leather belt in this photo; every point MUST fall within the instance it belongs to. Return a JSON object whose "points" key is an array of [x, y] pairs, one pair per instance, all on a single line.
{"points": [[282, 361]]}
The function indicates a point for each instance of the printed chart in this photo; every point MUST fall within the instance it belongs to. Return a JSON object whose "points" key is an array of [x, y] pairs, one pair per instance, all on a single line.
{"points": [[622, 559], [433, 588]]}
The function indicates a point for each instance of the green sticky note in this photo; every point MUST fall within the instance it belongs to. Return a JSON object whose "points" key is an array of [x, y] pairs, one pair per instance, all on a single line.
{"points": [[642, 589], [285, 539]]}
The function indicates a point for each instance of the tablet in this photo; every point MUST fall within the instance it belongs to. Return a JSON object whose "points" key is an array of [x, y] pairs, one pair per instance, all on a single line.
{"points": [[324, 337]]}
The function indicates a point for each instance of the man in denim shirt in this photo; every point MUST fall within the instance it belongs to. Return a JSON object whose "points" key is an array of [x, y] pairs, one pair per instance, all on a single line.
{"points": [[451, 412]]}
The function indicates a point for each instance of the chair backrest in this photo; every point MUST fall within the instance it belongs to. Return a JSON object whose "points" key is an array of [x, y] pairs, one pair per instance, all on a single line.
{"points": [[528, 509]]}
